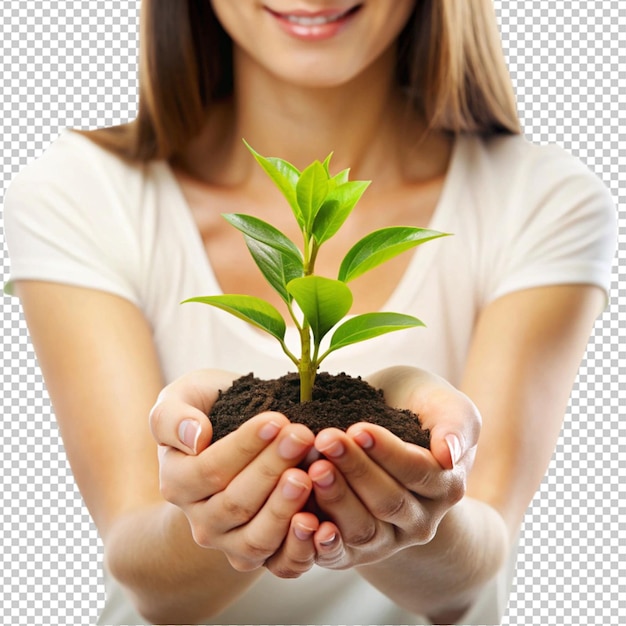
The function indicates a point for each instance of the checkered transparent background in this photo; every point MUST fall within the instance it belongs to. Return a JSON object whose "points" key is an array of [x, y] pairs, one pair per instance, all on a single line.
{"points": [[73, 64]]}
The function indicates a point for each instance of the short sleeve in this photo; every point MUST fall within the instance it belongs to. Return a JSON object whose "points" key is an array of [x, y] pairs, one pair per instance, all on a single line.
{"points": [[67, 220], [560, 227]]}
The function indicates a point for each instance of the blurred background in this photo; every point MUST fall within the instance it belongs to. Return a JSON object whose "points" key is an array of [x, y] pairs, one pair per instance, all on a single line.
{"points": [[74, 64]]}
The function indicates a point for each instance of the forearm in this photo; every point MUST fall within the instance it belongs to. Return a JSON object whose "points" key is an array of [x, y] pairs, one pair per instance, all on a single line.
{"points": [[171, 579], [442, 578]]}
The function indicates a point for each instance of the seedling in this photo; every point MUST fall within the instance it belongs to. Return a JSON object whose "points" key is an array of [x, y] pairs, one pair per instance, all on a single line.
{"points": [[321, 203]]}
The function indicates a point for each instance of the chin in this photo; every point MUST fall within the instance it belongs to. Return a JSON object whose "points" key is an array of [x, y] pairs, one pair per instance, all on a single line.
{"points": [[319, 74]]}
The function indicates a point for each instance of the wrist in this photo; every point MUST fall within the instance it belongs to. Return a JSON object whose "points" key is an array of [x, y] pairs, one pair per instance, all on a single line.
{"points": [[141, 548], [446, 574]]}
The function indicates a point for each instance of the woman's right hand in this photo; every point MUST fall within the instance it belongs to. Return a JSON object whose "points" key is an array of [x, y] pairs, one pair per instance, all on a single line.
{"points": [[243, 494]]}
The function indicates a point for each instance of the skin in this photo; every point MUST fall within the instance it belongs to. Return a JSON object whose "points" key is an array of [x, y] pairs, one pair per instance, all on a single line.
{"points": [[189, 529]]}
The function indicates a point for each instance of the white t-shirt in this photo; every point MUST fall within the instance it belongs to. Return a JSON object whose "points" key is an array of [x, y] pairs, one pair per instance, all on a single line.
{"points": [[522, 216]]}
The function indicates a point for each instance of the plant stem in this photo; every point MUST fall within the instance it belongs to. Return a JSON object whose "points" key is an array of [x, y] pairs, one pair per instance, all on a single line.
{"points": [[313, 257], [307, 368], [306, 260], [288, 352], [307, 377]]}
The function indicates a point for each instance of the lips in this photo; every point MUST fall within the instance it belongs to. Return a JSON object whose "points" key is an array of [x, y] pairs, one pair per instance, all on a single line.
{"points": [[314, 25]]}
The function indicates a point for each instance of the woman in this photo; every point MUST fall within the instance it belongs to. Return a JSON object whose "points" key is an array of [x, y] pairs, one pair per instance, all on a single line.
{"points": [[109, 231]]}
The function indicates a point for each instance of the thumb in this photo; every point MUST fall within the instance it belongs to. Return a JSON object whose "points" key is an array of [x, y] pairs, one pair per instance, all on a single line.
{"points": [[456, 432], [452, 418], [447, 448]]}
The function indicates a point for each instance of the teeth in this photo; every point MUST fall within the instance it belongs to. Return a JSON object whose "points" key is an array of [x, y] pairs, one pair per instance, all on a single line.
{"points": [[319, 20]]}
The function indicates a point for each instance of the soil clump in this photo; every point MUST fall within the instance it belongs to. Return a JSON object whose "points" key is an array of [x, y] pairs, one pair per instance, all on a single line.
{"points": [[338, 401]]}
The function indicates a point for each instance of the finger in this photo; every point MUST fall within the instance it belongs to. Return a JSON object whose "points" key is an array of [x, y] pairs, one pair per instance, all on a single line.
{"points": [[410, 465], [455, 430], [386, 498], [329, 547], [186, 479], [179, 417], [252, 544], [340, 504], [179, 425], [297, 554], [247, 492], [413, 492]]}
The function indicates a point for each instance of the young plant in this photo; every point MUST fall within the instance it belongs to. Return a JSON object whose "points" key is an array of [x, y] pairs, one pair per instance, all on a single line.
{"points": [[320, 203]]}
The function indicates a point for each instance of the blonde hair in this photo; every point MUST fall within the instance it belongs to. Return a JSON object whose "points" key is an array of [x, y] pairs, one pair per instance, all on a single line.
{"points": [[458, 72], [450, 62]]}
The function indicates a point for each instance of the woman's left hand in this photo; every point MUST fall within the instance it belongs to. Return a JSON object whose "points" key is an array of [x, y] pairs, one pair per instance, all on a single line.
{"points": [[378, 494]]}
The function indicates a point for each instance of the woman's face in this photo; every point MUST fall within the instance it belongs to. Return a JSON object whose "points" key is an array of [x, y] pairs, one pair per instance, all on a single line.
{"points": [[315, 43]]}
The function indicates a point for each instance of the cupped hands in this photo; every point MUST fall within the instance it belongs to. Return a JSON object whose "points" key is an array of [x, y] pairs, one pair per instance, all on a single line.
{"points": [[272, 494]]}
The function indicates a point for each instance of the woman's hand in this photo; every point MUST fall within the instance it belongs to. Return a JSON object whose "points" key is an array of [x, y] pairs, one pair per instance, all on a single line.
{"points": [[381, 494], [244, 494]]}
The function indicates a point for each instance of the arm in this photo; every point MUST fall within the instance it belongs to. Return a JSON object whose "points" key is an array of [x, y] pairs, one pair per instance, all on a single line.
{"points": [[101, 369], [524, 357], [398, 512]]}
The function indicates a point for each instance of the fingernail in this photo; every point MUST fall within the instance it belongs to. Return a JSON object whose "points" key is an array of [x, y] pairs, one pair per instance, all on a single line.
{"points": [[302, 532], [292, 446], [325, 480], [364, 439], [454, 445], [268, 431], [293, 488], [188, 433], [334, 450], [330, 541]]}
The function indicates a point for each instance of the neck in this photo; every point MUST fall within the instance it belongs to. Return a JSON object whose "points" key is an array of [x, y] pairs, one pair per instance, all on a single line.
{"points": [[301, 123], [364, 122]]}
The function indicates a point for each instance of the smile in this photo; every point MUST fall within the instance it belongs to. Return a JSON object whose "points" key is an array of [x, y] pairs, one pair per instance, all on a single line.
{"points": [[315, 25], [316, 20]]}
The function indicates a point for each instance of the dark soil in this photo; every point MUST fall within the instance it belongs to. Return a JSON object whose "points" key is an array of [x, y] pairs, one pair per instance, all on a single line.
{"points": [[338, 401]]}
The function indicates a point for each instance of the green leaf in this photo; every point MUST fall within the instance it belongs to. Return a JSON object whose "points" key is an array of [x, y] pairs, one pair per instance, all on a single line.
{"points": [[369, 325], [256, 228], [285, 177], [323, 301], [380, 246], [326, 164], [340, 178], [311, 191], [338, 205], [277, 267], [250, 309], [337, 179]]}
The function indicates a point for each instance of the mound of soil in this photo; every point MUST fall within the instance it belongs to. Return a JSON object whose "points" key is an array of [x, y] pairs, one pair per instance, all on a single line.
{"points": [[338, 401]]}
